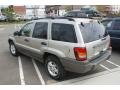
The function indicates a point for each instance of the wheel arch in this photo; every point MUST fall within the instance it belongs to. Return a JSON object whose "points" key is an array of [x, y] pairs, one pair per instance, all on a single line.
{"points": [[46, 54], [10, 40]]}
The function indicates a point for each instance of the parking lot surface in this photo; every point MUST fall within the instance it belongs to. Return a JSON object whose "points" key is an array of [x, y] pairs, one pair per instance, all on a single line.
{"points": [[23, 70]]}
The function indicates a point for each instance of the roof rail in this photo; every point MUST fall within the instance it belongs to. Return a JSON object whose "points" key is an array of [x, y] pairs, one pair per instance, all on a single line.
{"points": [[50, 17], [70, 19], [89, 17]]}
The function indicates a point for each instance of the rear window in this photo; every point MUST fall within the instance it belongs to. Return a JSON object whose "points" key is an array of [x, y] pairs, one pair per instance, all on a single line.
{"points": [[92, 31]]}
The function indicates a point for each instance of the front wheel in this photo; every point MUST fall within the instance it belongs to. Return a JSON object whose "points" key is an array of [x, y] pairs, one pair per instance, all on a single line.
{"points": [[54, 67], [13, 49]]}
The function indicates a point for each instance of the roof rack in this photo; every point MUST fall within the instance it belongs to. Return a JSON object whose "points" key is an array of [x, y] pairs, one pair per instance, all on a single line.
{"points": [[50, 17], [70, 19]]}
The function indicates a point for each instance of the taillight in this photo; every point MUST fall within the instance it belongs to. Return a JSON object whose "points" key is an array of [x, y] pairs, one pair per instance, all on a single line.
{"points": [[80, 53]]}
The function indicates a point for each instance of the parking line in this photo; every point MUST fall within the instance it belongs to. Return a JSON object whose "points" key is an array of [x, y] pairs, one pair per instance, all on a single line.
{"points": [[105, 67], [38, 72], [21, 71], [112, 63]]}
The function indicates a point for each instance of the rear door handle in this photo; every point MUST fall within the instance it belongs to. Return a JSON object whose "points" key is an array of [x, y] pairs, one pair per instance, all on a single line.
{"points": [[43, 43], [26, 40]]}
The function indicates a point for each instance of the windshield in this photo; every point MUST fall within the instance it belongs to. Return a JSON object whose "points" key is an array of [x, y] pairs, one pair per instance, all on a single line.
{"points": [[92, 31]]}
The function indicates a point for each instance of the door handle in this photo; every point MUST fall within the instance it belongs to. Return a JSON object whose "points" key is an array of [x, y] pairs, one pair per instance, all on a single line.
{"points": [[43, 43], [26, 40]]}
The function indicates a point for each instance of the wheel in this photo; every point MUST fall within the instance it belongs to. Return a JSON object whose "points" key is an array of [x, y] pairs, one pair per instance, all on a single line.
{"points": [[13, 49], [54, 68]]}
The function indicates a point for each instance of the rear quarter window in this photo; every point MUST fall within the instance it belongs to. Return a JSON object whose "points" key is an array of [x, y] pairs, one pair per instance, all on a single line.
{"points": [[63, 32]]}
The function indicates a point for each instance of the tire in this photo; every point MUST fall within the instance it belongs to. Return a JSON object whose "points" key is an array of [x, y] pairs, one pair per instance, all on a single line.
{"points": [[13, 49], [56, 70]]}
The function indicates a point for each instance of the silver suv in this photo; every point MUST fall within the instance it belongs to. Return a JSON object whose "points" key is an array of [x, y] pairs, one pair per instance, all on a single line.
{"points": [[72, 44]]}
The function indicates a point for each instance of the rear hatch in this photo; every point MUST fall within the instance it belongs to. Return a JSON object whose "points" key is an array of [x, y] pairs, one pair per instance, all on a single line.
{"points": [[95, 37]]}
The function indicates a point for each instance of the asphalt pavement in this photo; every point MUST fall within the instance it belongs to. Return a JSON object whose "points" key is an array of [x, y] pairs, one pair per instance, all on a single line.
{"points": [[24, 70]]}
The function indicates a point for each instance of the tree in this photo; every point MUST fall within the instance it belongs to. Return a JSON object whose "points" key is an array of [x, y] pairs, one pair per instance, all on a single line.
{"points": [[8, 12], [68, 8]]}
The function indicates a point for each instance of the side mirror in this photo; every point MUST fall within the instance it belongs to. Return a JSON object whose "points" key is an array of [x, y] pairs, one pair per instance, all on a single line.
{"points": [[16, 33]]}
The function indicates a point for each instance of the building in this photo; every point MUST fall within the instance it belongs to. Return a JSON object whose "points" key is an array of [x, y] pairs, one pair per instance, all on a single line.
{"points": [[35, 10], [105, 10], [77, 7], [109, 10], [115, 9], [32, 10], [52, 10], [41, 11], [59, 10], [19, 10], [28, 12]]}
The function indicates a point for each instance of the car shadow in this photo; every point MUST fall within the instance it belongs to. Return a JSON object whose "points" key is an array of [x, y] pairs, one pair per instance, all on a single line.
{"points": [[69, 75]]}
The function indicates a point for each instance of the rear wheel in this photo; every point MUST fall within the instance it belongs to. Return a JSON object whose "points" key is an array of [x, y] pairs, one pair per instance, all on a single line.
{"points": [[13, 49], [54, 67]]}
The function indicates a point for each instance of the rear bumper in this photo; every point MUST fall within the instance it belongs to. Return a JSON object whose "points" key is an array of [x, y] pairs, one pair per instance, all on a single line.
{"points": [[81, 67]]}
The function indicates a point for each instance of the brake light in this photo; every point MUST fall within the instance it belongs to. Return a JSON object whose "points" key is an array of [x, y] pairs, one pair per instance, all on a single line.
{"points": [[80, 53]]}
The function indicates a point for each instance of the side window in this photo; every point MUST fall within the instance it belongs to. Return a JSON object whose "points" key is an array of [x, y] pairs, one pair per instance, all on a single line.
{"points": [[40, 30], [26, 30], [116, 25], [63, 32]]}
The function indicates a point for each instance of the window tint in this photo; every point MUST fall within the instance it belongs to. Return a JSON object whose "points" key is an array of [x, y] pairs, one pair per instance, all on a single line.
{"points": [[26, 30], [116, 25], [92, 31], [63, 32], [40, 30]]}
